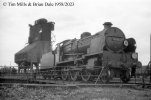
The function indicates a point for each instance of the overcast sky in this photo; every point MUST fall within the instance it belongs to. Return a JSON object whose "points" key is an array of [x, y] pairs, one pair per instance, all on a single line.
{"points": [[133, 17]]}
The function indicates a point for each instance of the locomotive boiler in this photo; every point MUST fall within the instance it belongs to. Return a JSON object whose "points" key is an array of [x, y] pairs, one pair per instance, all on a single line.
{"points": [[106, 54]]}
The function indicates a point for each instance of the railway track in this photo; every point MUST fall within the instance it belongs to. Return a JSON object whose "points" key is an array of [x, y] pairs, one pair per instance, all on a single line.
{"points": [[29, 81], [77, 84], [119, 85]]}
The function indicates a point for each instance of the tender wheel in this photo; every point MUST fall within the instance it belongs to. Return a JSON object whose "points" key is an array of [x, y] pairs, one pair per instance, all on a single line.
{"points": [[49, 74], [105, 76], [64, 74], [85, 75], [125, 76], [53, 74], [74, 75], [44, 76]]}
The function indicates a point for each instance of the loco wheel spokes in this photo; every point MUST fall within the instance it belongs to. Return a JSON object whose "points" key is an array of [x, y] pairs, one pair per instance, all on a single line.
{"points": [[105, 76], [64, 74], [74, 75], [85, 75]]}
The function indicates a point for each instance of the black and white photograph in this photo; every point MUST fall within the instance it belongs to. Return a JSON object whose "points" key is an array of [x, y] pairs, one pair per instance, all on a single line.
{"points": [[75, 50]]}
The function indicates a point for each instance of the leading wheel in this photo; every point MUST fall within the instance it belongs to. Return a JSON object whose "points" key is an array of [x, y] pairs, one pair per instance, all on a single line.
{"points": [[105, 76], [85, 75], [125, 76]]}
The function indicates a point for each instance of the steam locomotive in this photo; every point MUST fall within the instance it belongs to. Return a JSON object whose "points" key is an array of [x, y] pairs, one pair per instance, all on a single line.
{"points": [[105, 55]]}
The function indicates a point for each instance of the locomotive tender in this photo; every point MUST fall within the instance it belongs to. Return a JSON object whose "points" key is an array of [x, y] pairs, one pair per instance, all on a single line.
{"points": [[106, 54]]}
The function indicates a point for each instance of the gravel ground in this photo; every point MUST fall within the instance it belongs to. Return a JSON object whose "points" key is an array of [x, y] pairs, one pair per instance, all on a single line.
{"points": [[87, 93]]}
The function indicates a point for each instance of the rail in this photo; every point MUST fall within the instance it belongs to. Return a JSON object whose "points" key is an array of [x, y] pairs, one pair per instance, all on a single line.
{"points": [[34, 75]]}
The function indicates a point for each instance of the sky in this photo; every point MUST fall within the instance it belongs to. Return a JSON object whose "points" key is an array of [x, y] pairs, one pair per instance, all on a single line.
{"points": [[133, 17]]}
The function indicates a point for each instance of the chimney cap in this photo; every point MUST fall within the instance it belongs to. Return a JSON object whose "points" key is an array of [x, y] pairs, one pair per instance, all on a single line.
{"points": [[107, 23]]}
